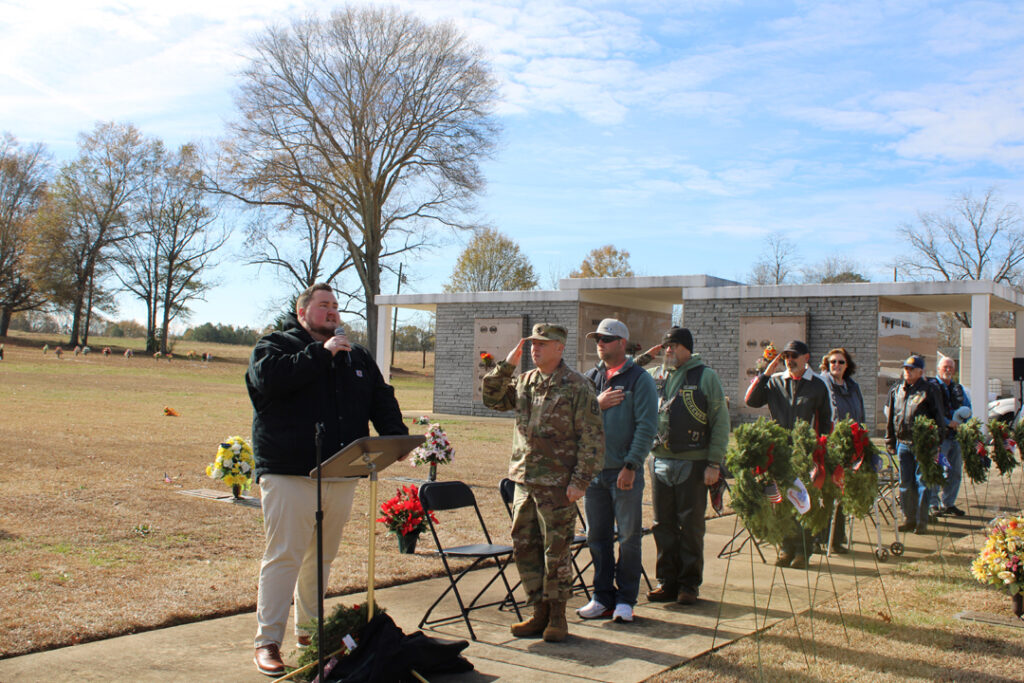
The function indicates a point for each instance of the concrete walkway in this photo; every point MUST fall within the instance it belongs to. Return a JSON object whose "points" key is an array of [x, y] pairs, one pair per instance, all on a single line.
{"points": [[663, 635]]}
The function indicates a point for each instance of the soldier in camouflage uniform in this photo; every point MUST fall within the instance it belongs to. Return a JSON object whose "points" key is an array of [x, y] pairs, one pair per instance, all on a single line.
{"points": [[557, 446]]}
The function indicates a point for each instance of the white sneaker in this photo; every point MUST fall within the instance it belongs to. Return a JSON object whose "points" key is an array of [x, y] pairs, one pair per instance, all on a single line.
{"points": [[594, 610], [623, 614]]}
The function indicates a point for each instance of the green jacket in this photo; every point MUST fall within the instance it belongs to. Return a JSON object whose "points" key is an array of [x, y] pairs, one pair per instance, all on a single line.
{"points": [[558, 439], [718, 411]]}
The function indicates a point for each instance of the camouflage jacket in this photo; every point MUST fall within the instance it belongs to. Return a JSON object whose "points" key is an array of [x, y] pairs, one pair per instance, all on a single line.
{"points": [[559, 438]]}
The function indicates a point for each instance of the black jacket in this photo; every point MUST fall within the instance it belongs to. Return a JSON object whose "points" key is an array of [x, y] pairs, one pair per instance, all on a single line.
{"points": [[294, 383], [790, 400], [905, 404]]}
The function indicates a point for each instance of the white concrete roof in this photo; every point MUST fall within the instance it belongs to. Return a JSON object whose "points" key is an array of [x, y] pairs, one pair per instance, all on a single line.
{"points": [[662, 292], [923, 296]]}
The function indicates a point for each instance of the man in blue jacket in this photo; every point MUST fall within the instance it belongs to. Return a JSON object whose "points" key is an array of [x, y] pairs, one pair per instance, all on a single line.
{"points": [[629, 412], [300, 377]]}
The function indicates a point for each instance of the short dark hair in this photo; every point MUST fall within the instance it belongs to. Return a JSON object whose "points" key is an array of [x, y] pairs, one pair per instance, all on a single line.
{"points": [[850, 365], [303, 299]]}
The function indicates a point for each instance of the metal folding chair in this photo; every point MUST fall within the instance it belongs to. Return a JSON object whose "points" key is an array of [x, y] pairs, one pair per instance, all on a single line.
{"points": [[453, 495], [507, 488]]}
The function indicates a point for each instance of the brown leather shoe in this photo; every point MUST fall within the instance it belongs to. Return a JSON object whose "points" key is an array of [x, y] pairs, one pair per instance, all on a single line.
{"points": [[686, 597], [268, 660], [662, 593], [799, 562]]}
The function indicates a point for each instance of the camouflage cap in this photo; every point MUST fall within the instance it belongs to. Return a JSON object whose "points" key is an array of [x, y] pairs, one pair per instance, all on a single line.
{"points": [[549, 332]]}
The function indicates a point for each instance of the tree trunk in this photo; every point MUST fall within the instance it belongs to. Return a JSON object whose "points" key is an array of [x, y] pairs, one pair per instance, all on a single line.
{"points": [[88, 314], [5, 320]]}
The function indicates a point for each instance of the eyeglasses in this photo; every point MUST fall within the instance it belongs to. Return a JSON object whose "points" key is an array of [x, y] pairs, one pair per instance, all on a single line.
{"points": [[605, 339], [837, 361]]}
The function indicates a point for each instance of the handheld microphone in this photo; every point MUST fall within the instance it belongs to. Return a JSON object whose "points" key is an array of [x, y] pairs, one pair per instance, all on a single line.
{"points": [[339, 331]]}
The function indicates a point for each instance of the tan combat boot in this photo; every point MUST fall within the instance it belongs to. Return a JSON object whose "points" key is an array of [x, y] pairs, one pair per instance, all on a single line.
{"points": [[557, 628], [536, 624]]}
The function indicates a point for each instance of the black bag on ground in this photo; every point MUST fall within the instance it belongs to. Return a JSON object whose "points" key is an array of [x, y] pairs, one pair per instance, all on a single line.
{"points": [[385, 653]]}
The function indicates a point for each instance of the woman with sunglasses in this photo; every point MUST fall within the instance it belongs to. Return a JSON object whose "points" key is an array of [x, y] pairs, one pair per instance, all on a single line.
{"points": [[847, 402]]}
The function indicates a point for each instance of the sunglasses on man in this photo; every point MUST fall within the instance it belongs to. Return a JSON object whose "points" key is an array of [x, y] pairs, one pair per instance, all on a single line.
{"points": [[605, 339]]}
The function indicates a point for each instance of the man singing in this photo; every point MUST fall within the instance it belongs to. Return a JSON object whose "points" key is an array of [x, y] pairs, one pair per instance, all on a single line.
{"points": [[300, 377]]}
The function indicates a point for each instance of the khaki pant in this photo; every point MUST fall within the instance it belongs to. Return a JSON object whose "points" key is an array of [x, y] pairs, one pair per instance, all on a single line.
{"points": [[289, 557]]}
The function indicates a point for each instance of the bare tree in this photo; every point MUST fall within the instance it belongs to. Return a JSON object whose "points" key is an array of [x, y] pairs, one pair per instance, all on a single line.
{"points": [[23, 176], [91, 209], [163, 262], [778, 261], [834, 269], [305, 250], [371, 121], [973, 239]]}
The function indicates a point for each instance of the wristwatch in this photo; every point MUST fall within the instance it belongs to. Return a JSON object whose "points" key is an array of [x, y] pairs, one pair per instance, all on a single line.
{"points": [[630, 466]]}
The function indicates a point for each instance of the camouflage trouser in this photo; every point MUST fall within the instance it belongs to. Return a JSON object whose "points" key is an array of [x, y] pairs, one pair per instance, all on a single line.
{"points": [[543, 522]]}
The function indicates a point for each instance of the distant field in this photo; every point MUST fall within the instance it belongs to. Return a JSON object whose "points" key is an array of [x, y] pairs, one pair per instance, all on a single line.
{"points": [[94, 537]]}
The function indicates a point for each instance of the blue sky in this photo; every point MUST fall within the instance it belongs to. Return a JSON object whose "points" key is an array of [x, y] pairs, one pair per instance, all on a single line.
{"points": [[682, 131]]}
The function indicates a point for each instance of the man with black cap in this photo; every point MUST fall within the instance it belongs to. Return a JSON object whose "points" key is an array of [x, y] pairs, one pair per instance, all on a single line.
{"points": [[557, 446], [913, 397], [614, 502], [794, 394], [693, 434]]}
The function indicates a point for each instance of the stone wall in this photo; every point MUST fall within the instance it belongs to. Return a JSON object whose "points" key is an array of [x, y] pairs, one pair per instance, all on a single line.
{"points": [[454, 359], [851, 322]]}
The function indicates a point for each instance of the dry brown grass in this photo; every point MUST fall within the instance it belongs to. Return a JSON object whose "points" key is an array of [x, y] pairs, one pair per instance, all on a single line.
{"points": [[923, 641], [93, 540]]}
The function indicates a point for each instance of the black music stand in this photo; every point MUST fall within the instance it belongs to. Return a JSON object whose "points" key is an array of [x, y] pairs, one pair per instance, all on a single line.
{"points": [[362, 458]]}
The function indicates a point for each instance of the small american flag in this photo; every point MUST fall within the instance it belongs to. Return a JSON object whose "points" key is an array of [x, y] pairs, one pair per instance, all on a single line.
{"points": [[772, 493]]}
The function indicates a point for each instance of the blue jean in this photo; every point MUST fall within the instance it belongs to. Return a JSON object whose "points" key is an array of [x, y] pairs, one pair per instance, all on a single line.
{"points": [[954, 474], [914, 495], [609, 508]]}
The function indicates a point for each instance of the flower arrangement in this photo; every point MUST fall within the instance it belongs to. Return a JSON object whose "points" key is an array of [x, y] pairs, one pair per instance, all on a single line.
{"points": [[1001, 561], [421, 420], [170, 412], [1002, 446], [234, 464], [404, 514], [972, 446], [926, 450], [486, 360], [760, 461], [860, 462], [436, 449]]}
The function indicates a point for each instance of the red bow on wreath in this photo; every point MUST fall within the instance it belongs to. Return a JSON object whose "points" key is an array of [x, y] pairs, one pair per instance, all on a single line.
{"points": [[819, 473], [761, 469], [980, 448], [860, 442]]}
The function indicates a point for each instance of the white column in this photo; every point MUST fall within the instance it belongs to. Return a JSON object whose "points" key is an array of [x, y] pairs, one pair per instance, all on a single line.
{"points": [[1018, 349], [979, 355], [384, 341]]}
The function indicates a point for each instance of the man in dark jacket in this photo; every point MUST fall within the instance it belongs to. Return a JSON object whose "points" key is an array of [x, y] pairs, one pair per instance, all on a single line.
{"points": [[300, 377], [908, 399], [791, 395]]}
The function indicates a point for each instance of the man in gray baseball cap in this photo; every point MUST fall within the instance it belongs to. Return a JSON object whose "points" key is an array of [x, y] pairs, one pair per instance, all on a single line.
{"points": [[614, 499]]}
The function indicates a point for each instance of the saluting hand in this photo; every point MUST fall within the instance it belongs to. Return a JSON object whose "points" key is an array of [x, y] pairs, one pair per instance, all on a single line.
{"points": [[515, 354]]}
